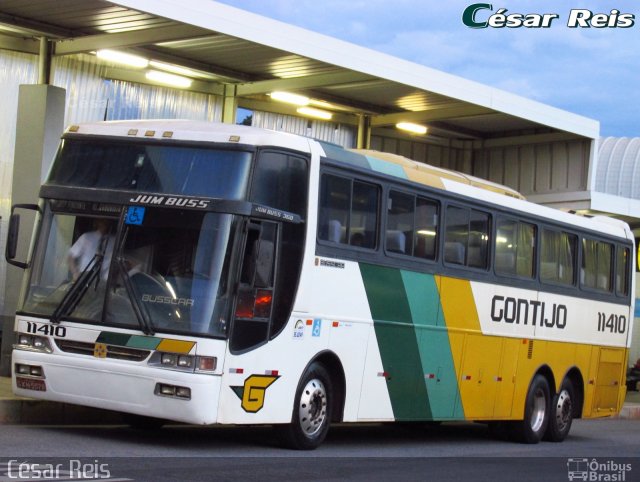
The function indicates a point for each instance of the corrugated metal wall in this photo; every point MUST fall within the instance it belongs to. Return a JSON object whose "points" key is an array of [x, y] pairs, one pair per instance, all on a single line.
{"points": [[341, 134], [618, 170], [540, 168], [536, 168], [88, 94], [447, 157]]}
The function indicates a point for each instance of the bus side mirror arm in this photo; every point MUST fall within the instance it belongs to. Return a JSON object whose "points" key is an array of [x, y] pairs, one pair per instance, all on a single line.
{"points": [[13, 234]]}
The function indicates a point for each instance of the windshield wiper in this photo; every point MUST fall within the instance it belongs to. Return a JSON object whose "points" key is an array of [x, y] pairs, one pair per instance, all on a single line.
{"points": [[71, 299], [140, 311]]}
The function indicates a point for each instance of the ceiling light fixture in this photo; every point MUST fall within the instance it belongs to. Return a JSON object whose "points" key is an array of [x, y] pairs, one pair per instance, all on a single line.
{"points": [[122, 58], [290, 98], [411, 127], [174, 69], [169, 79], [317, 113]]}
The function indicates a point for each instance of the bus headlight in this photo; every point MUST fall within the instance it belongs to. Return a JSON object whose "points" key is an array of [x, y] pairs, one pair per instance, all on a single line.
{"points": [[187, 363], [33, 343]]}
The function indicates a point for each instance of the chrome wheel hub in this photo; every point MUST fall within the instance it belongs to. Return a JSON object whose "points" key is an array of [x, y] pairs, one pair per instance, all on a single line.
{"points": [[313, 407], [563, 410]]}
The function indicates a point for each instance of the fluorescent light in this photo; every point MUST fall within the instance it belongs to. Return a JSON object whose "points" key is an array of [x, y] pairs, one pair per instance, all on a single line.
{"points": [[310, 111], [290, 98], [426, 232], [174, 69], [122, 58], [410, 127], [169, 79]]}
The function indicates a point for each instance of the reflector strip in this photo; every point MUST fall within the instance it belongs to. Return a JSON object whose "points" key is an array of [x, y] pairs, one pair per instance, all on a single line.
{"points": [[430, 376], [335, 324], [383, 374], [309, 322], [271, 373], [498, 379], [467, 377], [236, 370]]}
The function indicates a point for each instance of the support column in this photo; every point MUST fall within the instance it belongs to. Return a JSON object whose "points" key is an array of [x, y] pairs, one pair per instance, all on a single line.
{"points": [[229, 104], [40, 124], [364, 132]]}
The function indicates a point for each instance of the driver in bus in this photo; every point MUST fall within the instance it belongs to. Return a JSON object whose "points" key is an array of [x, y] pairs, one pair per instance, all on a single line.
{"points": [[100, 240]]}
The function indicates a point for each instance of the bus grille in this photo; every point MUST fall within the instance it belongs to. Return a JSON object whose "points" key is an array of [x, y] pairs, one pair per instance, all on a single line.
{"points": [[116, 352]]}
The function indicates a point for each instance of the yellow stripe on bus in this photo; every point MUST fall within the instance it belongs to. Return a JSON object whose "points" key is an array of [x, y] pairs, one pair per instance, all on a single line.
{"points": [[175, 346]]}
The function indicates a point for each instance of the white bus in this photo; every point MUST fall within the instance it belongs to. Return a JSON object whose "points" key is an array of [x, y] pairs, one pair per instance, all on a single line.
{"points": [[221, 274]]}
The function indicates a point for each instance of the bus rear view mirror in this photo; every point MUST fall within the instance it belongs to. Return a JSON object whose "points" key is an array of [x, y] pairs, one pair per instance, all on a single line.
{"points": [[13, 236]]}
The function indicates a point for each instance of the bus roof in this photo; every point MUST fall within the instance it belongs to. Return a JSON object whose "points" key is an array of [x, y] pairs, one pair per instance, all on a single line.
{"points": [[197, 131]]}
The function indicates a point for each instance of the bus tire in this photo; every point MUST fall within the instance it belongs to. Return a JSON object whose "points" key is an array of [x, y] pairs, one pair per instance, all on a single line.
{"points": [[311, 411], [561, 414], [536, 413]]}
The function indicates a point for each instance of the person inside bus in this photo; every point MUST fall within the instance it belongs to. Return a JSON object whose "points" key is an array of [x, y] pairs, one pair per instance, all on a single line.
{"points": [[98, 241]]}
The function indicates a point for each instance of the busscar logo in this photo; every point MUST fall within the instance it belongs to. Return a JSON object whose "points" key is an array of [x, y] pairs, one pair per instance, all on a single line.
{"points": [[483, 15]]}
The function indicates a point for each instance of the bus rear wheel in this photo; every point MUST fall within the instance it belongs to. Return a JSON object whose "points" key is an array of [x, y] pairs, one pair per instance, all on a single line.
{"points": [[311, 411], [561, 413], [536, 413]]}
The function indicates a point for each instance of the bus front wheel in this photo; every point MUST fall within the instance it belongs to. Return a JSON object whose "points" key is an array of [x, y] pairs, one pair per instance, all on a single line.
{"points": [[536, 413], [311, 411]]}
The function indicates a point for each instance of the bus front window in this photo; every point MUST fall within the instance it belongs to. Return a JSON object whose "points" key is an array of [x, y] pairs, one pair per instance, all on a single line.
{"points": [[173, 269], [73, 247]]}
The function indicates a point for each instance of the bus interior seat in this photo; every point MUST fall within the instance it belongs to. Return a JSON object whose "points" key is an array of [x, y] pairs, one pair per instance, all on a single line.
{"points": [[396, 242], [454, 252]]}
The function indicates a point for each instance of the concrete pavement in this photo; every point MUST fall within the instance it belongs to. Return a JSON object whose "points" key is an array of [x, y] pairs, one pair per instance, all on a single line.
{"points": [[18, 410]]}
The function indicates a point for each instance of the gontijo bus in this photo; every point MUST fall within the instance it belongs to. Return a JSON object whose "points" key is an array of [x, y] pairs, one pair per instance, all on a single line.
{"points": [[257, 277]]}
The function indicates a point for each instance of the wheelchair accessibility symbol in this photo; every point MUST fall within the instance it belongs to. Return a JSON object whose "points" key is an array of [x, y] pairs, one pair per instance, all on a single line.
{"points": [[135, 215], [317, 325]]}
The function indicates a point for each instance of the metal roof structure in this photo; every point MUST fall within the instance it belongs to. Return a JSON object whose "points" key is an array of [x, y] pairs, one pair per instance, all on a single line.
{"points": [[234, 53], [619, 167]]}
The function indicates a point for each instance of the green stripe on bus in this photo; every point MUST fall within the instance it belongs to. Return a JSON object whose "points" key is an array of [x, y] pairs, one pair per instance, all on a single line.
{"points": [[143, 342], [110, 338], [433, 343], [397, 342]]}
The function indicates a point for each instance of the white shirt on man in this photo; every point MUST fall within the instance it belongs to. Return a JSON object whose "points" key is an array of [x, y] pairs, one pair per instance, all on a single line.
{"points": [[86, 247]]}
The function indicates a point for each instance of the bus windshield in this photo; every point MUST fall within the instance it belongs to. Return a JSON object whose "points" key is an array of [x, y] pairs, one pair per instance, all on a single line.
{"points": [[153, 168], [168, 272]]}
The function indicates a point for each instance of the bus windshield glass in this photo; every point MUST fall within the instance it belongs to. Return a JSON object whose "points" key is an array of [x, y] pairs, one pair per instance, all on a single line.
{"points": [[167, 273], [156, 168]]}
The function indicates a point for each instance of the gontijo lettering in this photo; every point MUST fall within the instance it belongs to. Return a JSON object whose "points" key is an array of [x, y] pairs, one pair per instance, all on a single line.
{"points": [[528, 312]]}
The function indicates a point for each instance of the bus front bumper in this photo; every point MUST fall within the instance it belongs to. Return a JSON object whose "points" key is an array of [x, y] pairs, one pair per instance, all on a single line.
{"points": [[123, 387]]}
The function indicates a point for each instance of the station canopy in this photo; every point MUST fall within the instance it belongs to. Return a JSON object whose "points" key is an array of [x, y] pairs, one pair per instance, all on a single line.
{"points": [[246, 57]]}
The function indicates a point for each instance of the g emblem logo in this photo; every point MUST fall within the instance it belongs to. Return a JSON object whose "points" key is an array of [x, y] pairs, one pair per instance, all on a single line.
{"points": [[253, 392]]}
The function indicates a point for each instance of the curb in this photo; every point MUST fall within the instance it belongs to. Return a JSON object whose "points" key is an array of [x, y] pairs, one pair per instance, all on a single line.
{"points": [[38, 412], [630, 411]]}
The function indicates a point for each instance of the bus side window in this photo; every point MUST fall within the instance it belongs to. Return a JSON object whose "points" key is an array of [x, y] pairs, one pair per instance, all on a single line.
{"points": [[622, 271]]}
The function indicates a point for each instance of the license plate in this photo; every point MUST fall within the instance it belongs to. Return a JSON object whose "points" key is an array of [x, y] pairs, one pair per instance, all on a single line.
{"points": [[31, 384]]}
